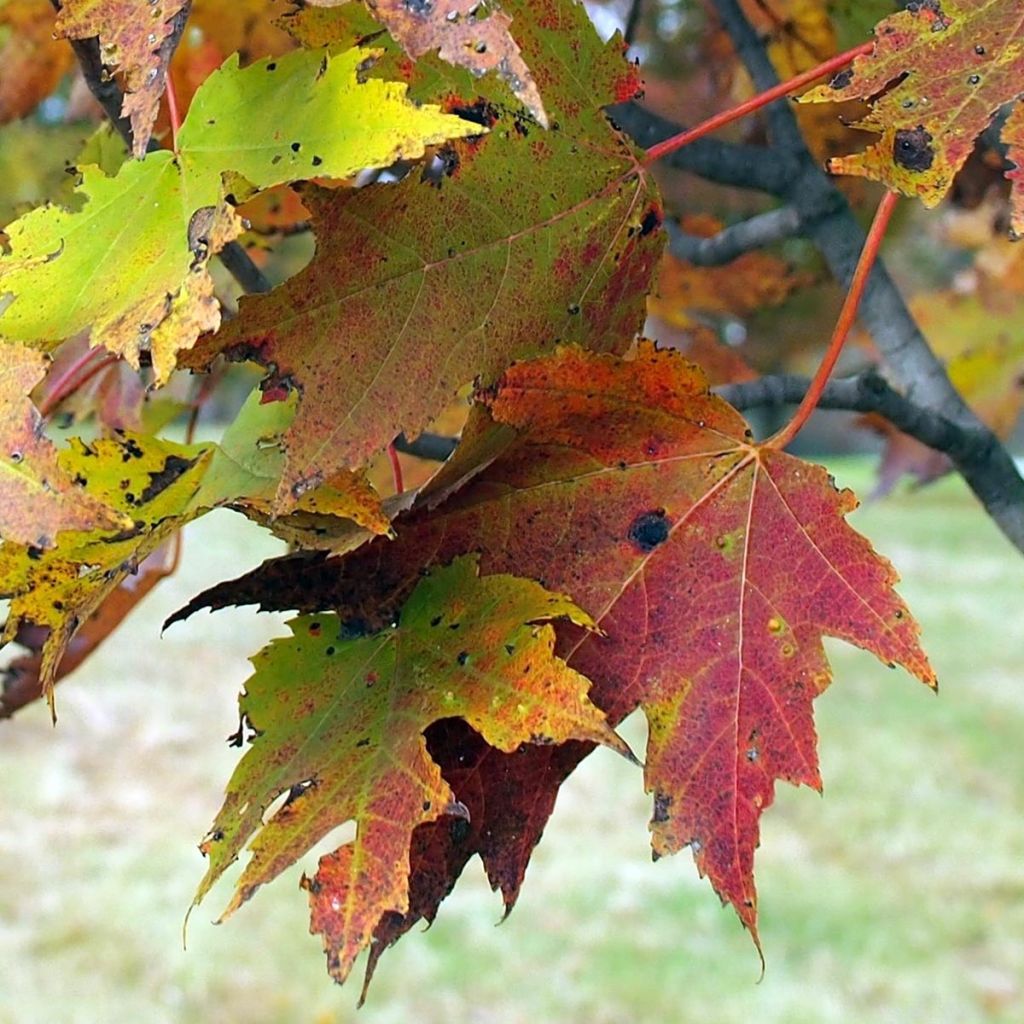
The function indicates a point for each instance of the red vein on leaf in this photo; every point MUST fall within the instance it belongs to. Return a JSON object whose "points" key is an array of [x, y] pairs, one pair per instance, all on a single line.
{"points": [[847, 318], [762, 99]]}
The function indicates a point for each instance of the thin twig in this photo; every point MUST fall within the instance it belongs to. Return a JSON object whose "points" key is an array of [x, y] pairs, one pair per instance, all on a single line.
{"points": [[730, 243], [847, 318], [396, 469], [632, 21], [868, 392]]}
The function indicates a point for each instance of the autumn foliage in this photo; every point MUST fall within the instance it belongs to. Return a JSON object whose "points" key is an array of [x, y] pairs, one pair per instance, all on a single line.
{"points": [[608, 535]]}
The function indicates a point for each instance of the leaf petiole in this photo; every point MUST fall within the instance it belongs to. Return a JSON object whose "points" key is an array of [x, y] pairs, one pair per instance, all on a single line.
{"points": [[847, 317], [172, 111], [762, 99], [396, 468], [76, 376]]}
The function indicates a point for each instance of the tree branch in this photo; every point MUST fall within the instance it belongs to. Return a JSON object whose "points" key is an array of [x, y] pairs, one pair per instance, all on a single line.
{"points": [[732, 242], [725, 163], [435, 447], [974, 451], [868, 392], [790, 172], [632, 21], [110, 97]]}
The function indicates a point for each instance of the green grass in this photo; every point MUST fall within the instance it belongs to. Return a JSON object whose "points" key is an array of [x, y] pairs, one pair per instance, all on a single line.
{"points": [[898, 897]]}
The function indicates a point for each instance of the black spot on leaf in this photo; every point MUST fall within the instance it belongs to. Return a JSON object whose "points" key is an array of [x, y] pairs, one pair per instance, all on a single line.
{"points": [[912, 149], [842, 80], [651, 221], [174, 467], [481, 112], [649, 529]]}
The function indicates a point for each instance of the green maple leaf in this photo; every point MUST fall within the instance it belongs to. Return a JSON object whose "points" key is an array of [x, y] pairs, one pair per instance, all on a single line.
{"points": [[132, 261]]}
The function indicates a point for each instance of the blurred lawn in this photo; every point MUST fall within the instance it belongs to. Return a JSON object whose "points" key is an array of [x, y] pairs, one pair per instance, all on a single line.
{"points": [[899, 897]]}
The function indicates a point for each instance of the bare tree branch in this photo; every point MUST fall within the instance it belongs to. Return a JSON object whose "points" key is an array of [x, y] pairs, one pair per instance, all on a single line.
{"points": [[636, 9], [238, 264], [110, 97], [868, 392], [725, 163], [733, 241]]}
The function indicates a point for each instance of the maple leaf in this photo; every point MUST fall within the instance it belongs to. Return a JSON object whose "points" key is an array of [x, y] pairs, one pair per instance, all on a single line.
{"points": [[339, 724], [38, 499], [137, 40], [1013, 136], [303, 114], [157, 487], [148, 481], [509, 798], [21, 681], [525, 238], [714, 567], [32, 62], [464, 34], [937, 75]]}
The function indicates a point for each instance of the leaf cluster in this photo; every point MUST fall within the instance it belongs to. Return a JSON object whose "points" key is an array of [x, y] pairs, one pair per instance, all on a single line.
{"points": [[607, 536]]}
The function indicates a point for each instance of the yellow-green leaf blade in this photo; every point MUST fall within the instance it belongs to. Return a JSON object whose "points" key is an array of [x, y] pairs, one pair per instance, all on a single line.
{"points": [[70, 270], [302, 115], [246, 468], [147, 480], [936, 77]]}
